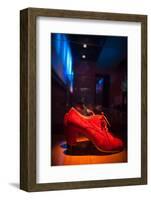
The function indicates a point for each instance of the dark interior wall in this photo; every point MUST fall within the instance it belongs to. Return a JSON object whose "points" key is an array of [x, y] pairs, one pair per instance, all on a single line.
{"points": [[118, 92], [116, 78], [116, 89], [58, 104], [84, 82]]}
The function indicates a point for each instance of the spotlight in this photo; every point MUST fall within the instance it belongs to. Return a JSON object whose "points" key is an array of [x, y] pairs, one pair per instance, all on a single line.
{"points": [[83, 56], [84, 45]]}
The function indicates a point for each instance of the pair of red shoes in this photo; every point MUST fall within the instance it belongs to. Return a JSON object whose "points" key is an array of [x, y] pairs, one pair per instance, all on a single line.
{"points": [[94, 128]]}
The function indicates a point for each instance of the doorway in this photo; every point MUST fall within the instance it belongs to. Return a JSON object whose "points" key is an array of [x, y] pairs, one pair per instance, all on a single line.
{"points": [[102, 86]]}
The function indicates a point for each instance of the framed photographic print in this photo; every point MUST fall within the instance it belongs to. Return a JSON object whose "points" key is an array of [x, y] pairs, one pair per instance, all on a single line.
{"points": [[83, 99]]}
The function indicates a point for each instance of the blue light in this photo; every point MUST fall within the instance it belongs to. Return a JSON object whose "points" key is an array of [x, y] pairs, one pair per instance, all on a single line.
{"points": [[62, 60], [58, 43], [99, 85], [101, 81]]}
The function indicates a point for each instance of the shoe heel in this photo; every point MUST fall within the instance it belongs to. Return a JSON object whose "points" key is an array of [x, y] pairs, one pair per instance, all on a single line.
{"points": [[71, 134]]}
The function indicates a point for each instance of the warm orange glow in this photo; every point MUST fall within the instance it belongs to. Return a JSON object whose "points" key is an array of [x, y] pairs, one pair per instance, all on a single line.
{"points": [[84, 153]]}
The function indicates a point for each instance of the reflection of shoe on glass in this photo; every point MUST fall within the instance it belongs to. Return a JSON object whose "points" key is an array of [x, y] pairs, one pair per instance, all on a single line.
{"points": [[94, 128]]}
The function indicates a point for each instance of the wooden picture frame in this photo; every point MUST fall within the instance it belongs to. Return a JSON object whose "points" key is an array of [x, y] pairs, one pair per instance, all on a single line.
{"points": [[28, 98]]}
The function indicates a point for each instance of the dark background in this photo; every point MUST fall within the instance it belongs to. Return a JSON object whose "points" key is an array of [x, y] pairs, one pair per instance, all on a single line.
{"points": [[74, 78]]}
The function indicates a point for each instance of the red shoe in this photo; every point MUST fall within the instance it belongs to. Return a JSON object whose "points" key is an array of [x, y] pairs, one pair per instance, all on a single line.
{"points": [[94, 128]]}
